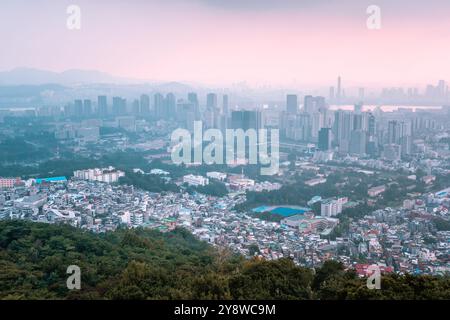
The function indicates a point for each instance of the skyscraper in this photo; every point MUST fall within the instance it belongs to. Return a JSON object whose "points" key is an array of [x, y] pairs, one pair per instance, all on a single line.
{"points": [[135, 108], [145, 104], [331, 95], [193, 99], [339, 91], [119, 106], [245, 119], [78, 107], [324, 139], [87, 107], [158, 105], [225, 104], [211, 101], [291, 104], [102, 105], [171, 104], [358, 142], [393, 132]]}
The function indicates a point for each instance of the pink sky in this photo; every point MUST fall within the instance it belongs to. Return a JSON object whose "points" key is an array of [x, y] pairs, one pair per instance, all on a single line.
{"points": [[203, 41]]}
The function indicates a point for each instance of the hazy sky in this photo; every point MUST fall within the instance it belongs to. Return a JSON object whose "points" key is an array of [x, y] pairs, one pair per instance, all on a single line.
{"points": [[278, 42]]}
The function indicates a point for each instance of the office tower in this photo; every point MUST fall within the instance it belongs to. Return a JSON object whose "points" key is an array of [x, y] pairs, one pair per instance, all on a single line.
{"points": [[246, 119], [393, 132], [78, 107], [343, 125], [406, 145], [185, 113], [331, 95], [371, 147], [324, 139], [193, 99], [158, 106], [225, 105], [291, 104], [442, 88], [171, 104], [145, 104], [320, 104], [298, 127], [119, 106], [303, 131], [314, 104], [209, 118], [371, 128], [358, 142], [405, 129], [69, 110], [339, 90], [102, 105], [357, 122], [211, 101], [135, 107], [309, 104], [87, 107]]}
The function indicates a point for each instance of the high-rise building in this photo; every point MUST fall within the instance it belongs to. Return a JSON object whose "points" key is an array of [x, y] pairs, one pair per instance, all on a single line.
{"points": [[343, 125], [331, 94], [78, 105], [102, 105], [87, 107], [171, 104], [193, 99], [135, 107], [371, 127], [358, 142], [211, 101], [324, 139], [246, 119], [145, 104], [119, 106], [225, 104], [291, 104], [185, 113], [357, 121], [158, 105], [314, 104], [393, 132], [339, 91]]}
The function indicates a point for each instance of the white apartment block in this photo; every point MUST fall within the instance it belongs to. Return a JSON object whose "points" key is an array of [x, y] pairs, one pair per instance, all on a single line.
{"points": [[192, 180]]}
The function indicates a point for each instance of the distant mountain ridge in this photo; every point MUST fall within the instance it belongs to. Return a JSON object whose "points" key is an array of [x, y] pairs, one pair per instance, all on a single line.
{"points": [[30, 76]]}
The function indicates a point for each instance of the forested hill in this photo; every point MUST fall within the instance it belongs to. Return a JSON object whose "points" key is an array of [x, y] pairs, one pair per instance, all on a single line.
{"points": [[146, 264]]}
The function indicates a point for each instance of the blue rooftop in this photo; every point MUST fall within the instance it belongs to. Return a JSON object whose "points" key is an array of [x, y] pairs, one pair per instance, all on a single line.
{"points": [[52, 179], [284, 211]]}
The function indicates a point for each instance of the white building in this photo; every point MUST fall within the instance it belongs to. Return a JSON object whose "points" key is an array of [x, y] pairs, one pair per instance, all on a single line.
{"points": [[192, 180], [332, 207], [375, 191], [216, 175], [316, 181], [108, 175]]}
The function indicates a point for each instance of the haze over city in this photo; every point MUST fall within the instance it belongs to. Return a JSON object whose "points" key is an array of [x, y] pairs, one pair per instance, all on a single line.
{"points": [[202, 151]]}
